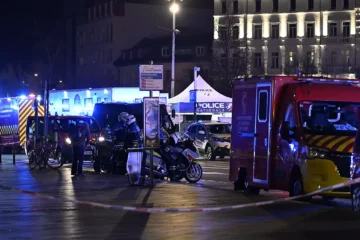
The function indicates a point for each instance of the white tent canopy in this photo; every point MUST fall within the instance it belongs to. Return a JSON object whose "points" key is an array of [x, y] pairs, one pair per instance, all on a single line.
{"points": [[205, 93]]}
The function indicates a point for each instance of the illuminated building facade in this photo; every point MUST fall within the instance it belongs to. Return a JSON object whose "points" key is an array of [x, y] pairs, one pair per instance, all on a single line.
{"points": [[315, 37]]}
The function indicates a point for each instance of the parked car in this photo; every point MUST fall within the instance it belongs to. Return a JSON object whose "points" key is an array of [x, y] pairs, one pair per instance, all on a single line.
{"points": [[212, 139]]}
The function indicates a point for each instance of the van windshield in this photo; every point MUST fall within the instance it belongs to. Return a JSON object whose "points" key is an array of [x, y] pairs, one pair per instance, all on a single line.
{"points": [[65, 123], [330, 118]]}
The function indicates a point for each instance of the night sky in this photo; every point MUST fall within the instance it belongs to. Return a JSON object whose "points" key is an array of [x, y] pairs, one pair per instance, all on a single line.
{"points": [[23, 23]]}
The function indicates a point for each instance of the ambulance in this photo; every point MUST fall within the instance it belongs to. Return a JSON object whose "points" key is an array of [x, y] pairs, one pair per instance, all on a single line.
{"points": [[293, 133], [14, 112]]}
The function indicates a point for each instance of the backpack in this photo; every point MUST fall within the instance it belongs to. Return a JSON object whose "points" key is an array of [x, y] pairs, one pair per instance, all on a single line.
{"points": [[77, 134]]}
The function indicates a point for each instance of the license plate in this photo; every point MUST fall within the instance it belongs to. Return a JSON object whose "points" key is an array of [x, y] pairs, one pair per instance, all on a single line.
{"points": [[88, 153]]}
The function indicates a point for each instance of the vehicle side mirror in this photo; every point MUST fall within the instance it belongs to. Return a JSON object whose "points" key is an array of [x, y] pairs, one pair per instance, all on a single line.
{"points": [[201, 132], [173, 113], [286, 132]]}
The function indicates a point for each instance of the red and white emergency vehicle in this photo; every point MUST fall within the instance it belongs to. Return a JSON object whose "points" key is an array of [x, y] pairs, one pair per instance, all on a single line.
{"points": [[14, 112], [293, 133]]}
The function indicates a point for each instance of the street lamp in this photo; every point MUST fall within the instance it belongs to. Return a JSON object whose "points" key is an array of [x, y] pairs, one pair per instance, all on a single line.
{"points": [[174, 9], [36, 75]]}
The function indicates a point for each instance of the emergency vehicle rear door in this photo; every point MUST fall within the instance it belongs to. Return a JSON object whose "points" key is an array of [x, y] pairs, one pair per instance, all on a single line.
{"points": [[262, 133]]}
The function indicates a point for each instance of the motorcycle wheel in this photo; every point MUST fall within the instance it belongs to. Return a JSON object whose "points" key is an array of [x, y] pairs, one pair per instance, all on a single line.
{"points": [[177, 176], [194, 173]]}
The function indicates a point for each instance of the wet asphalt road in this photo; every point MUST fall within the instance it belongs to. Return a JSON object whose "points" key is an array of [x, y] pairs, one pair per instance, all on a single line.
{"points": [[27, 217]]}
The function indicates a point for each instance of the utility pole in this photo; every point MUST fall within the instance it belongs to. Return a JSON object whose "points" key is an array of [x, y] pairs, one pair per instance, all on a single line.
{"points": [[46, 107], [246, 37]]}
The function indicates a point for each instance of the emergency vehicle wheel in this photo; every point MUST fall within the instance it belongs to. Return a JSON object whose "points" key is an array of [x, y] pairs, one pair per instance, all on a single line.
{"points": [[297, 187], [355, 198], [210, 153]]}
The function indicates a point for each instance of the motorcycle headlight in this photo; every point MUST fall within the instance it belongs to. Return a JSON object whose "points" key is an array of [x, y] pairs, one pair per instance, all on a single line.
{"points": [[314, 152], [101, 139], [68, 141]]}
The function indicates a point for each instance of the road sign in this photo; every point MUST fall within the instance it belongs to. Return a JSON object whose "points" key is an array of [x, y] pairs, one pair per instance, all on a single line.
{"points": [[151, 77]]}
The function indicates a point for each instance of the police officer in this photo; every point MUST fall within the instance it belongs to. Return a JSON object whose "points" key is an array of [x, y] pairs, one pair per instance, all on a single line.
{"points": [[133, 140], [80, 138], [120, 154], [122, 120]]}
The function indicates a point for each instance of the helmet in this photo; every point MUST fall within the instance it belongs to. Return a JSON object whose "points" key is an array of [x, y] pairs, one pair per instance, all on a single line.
{"points": [[123, 117], [131, 119]]}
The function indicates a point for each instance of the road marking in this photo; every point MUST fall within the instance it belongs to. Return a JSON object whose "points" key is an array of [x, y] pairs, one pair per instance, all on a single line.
{"points": [[220, 168], [215, 173]]}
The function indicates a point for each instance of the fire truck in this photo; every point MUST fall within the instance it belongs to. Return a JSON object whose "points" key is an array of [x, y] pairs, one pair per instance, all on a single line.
{"points": [[299, 136], [14, 112]]}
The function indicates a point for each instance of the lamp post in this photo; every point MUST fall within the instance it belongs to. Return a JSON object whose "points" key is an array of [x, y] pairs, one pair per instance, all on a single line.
{"points": [[196, 70], [174, 9]]}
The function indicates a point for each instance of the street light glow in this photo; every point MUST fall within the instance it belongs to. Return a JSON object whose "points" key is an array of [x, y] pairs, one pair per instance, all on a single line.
{"points": [[35, 75], [174, 8]]}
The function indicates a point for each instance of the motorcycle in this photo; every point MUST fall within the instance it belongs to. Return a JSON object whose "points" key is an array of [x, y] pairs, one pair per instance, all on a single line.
{"points": [[185, 154]]}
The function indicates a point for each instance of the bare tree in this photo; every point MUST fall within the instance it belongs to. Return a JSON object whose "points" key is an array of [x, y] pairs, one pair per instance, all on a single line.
{"points": [[48, 60], [301, 66], [231, 56]]}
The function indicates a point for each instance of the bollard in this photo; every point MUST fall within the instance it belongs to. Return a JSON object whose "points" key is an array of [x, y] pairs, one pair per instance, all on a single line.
{"points": [[151, 166], [13, 150]]}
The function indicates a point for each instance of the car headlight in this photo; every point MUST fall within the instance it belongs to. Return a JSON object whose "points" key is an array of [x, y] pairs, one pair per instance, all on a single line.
{"points": [[314, 152], [101, 139], [68, 141]]}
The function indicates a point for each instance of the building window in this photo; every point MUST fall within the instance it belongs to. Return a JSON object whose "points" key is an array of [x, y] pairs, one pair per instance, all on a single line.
{"points": [[200, 51], [333, 4], [333, 58], [291, 57], [140, 53], [310, 30], [310, 5], [257, 6], [108, 8], [236, 6], [346, 29], [165, 52], [275, 5], [235, 32], [223, 7], [222, 33], [346, 4], [275, 31], [292, 30], [257, 31], [310, 57], [333, 29], [110, 55], [292, 5], [81, 61], [257, 60], [235, 60], [275, 60]]}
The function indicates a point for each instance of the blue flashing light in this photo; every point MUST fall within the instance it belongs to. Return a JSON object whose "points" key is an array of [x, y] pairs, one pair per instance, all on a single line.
{"points": [[23, 97]]}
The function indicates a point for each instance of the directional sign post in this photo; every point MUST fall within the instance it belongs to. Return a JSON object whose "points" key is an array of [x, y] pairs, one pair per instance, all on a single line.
{"points": [[151, 77]]}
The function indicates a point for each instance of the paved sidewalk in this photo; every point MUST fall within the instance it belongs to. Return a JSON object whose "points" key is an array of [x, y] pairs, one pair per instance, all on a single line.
{"points": [[27, 217]]}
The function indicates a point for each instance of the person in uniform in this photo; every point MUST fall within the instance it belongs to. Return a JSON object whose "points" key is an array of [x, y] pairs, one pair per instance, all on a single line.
{"points": [[80, 138], [136, 160], [119, 156]]}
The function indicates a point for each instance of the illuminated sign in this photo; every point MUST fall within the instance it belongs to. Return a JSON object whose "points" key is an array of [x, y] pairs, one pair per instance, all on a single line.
{"points": [[151, 77]]}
